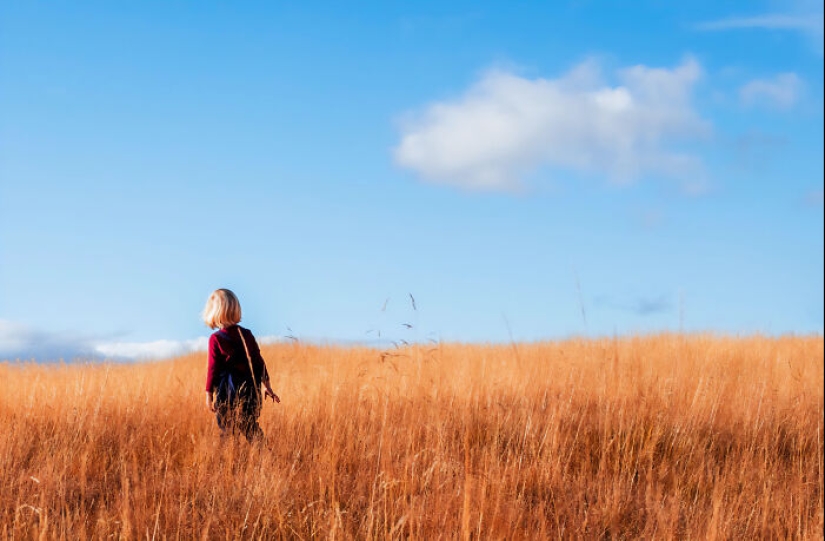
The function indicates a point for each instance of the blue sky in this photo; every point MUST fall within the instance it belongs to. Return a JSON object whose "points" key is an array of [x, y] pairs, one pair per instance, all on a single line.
{"points": [[526, 171]]}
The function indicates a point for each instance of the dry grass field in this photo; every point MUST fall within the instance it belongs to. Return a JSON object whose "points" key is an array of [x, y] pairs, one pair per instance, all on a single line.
{"points": [[659, 437]]}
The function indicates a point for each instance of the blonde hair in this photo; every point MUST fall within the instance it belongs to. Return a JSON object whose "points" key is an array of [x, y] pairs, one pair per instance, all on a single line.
{"points": [[222, 309]]}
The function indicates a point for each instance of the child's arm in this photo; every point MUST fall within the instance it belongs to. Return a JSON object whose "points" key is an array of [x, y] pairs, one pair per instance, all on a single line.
{"points": [[214, 351], [269, 392]]}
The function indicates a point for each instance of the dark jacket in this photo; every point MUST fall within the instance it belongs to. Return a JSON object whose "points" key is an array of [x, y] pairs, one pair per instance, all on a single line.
{"points": [[227, 357]]}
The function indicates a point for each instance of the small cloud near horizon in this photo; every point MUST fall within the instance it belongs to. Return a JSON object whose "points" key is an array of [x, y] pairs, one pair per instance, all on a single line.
{"points": [[641, 306], [19, 342], [157, 349], [506, 126]]}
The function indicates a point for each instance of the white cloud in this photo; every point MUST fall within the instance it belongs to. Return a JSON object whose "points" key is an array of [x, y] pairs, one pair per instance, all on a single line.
{"points": [[21, 342], [782, 91], [505, 125], [159, 349], [12, 336]]}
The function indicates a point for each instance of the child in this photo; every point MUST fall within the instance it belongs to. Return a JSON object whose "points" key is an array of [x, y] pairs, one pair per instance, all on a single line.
{"points": [[235, 369]]}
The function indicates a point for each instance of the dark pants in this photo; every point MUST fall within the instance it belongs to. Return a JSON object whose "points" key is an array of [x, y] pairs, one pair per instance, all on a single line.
{"points": [[237, 410]]}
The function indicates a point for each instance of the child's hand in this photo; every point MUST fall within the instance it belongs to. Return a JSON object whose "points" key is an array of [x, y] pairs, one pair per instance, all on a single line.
{"points": [[210, 403], [271, 394]]}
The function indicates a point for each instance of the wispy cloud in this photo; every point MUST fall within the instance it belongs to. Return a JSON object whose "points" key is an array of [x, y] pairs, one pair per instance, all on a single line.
{"points": [[802, 17], [21, 342], [782, 91], [641, 306], [506, 126], [645, 307], [772, 21]]}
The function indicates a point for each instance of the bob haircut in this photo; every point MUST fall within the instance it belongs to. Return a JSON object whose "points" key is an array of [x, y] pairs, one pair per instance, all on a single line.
{"points": [[222, 309]]}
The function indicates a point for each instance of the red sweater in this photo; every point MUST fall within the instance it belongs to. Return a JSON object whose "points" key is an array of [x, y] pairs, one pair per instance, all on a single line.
{"points": [[227, 356]]}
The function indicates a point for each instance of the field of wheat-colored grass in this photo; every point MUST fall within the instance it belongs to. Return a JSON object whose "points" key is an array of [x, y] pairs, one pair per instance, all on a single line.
{"points": [[659, 437]]}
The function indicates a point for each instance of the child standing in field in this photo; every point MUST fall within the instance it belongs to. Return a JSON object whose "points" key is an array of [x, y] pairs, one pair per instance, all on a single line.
{"points": [[235, 370]]}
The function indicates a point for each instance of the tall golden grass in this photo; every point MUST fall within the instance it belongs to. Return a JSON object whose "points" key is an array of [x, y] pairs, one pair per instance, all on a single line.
{"points": [[655, 437]]}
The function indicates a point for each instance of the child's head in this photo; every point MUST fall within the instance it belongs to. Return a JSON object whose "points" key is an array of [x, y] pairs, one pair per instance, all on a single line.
{"points": [[222, 309]]}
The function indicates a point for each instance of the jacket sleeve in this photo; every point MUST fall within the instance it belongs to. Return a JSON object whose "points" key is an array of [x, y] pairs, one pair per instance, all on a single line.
{"points": [[261, 374], [214, 351]]}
